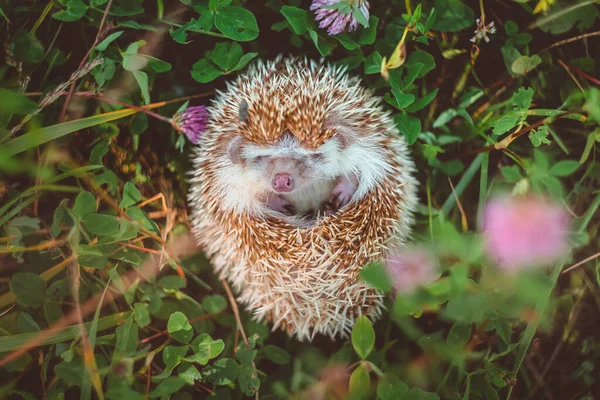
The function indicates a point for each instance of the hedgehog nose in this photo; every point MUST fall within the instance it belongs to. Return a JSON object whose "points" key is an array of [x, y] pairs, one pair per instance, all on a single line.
{"points": [[283, 183]]}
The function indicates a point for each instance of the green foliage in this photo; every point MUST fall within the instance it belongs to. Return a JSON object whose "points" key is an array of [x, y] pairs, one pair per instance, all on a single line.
{"points": [[363, 337], [80, 218]]}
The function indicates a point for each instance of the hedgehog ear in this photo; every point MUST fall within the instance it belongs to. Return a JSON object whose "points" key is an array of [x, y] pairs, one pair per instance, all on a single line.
{"points": [[235, 149], [243, 111], [343, 132], [345, 136]]}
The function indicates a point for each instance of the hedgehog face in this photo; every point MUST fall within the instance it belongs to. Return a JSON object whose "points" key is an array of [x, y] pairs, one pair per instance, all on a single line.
{"points": [[285, 167]]}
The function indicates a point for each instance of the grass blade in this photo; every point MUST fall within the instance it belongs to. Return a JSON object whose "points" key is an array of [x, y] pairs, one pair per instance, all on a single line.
{"points": [[40, 136], [92, 377], [14, 342], [462, 184]]}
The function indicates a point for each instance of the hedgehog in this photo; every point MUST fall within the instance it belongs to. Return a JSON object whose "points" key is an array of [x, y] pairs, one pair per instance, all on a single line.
{"points": [[300, 180]]}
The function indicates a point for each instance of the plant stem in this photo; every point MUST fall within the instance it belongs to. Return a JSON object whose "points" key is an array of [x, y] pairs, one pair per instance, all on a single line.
{"points": [[141, 109]]}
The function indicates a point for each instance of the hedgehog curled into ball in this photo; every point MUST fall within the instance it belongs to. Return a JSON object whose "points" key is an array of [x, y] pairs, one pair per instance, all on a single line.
{"points": [[300, 179]]}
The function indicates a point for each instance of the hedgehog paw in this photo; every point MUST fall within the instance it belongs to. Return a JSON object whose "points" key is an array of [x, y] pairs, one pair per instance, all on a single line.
{"points": [[341, 194]]}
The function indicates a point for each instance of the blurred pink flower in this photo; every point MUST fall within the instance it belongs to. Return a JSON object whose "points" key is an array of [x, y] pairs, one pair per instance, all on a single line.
{"points": [[334, 18], [411, 268], [521, 232]]}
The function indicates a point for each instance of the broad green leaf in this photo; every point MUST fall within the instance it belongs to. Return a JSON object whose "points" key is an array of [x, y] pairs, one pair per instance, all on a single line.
{"points": [[216, 4], [201, 354], [188, 373], [409, 126], [359, 382], [421, 103], [103, 45], [214, 304], [430, 20], [134, 25], [373, 63], [127, 338], [157, 65], [92, 261], [29, 289], [222, 372], [126, 8], [85, 204], [99, 151], [245, 353], [75, 10], [129, 257], [524, 64], [236, 23], [15, 103], [277, 354], [204, 71], [140, 217], [419, 394], [183, 336], [323, 46], [412, 72], [592, 105], [376, 275], [363, 336], [70, 372], [452, 16], [369, 34], [360, 16], [132, 61], [564, 168], [104, 72], [141, 313], [131, 195], [539, 136], [204, 343], [246, 58], [501, 325], [226, 55], [506, 122], [403, 99], [204, 23], [346, 41], [424, 58], [522, 99], [248, 379], [100, 224], [26, 47], [511, 173], [391, 388], [172, 355], [142, 80], [459, 334], [178, 322], [172, 282], [298, 19], [167, 386]]}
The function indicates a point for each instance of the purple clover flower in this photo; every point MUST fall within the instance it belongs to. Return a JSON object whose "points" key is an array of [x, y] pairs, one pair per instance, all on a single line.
{"points": [[336, 20], [191, 122], [411, 269], [523, 232]]}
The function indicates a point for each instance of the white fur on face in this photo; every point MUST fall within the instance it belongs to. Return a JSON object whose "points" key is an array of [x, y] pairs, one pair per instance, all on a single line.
{"points": [[246, 184]]}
